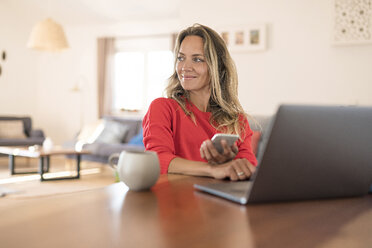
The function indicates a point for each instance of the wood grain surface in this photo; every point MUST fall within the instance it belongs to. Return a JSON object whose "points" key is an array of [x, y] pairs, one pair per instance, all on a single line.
{"points": [[173, 214]]}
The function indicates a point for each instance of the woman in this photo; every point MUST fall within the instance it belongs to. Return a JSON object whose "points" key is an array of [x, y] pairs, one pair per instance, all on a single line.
{"points": [[202, 101]]}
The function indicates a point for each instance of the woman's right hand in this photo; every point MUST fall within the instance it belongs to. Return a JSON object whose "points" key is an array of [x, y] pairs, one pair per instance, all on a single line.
{"points": [[210, 153], [238, 169]]}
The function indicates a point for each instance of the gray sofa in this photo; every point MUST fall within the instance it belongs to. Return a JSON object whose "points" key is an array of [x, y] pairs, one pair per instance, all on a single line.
{"points": [[260, 123], [100, 151], [32, 136]]}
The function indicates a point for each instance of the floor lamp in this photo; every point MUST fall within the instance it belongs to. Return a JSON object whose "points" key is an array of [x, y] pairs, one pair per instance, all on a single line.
{"points": [[78, 90]]}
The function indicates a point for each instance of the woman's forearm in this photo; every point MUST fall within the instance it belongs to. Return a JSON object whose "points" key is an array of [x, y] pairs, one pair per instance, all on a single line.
{"points": [[189, 167]]}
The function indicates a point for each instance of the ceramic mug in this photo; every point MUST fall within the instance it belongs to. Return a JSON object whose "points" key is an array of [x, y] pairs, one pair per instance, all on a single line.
{"points": [[139, 170]]}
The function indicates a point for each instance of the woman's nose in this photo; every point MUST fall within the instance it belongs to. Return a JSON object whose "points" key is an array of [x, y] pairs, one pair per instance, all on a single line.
{"points": [[186, 66]]}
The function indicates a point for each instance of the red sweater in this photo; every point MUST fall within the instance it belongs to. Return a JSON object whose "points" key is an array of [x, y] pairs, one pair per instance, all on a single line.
{"points": [[168, 131]]}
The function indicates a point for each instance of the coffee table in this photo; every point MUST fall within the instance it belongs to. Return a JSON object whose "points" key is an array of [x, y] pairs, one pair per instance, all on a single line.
{"points": [[44, 159]]}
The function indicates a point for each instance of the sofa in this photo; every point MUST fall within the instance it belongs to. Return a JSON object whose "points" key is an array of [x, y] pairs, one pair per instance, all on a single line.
{"points": [[18, 131], [118, 134], [130, 137], [260, 125]]}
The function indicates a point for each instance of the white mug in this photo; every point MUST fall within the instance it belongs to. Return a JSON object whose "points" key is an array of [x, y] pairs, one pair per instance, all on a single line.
{"points": [[138, 170]]}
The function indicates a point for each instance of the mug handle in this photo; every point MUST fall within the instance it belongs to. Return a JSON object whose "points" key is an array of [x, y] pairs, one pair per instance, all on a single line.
{"points": [[111, 158]]}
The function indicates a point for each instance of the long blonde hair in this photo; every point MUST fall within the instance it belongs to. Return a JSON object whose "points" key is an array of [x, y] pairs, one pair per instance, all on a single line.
{"points": [[224, 104]]}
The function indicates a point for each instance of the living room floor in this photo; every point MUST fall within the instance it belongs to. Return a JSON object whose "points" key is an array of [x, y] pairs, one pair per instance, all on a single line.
{"points": [[25, 187]]}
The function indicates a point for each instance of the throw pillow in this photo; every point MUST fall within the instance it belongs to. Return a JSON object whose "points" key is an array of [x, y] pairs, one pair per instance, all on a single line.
{"points": [[137, 139], [88, 134], [113, 132], [12, 129], [256, 136]]}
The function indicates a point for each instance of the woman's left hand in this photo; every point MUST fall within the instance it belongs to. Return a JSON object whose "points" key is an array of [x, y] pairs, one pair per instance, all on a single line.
{"points": [[210, 153]]}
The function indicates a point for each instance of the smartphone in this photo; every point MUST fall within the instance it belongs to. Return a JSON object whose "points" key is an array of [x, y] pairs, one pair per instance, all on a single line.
{"points": [[230, 139]]}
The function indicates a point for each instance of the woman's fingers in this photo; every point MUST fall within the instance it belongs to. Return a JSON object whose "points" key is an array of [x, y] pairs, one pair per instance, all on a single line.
{"points": [[213, 151], [226, 149], [209, 152], [239, 169], [206, 154], [242, 168], [202, 155], [205, 150], [235, 149], [229, 152], [233, 175]]}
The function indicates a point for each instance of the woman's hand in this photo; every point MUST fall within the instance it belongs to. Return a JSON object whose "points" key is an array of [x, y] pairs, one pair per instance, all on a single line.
{"points": [[239, 169], [210, 153]]}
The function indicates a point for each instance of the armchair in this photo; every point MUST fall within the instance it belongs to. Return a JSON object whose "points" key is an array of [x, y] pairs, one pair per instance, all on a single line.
{"points": [[25, 137]]}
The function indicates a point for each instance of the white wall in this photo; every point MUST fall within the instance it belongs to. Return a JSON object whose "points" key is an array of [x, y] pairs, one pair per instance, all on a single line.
{"points": [[18, 90], [39, 84], [299, 66]]}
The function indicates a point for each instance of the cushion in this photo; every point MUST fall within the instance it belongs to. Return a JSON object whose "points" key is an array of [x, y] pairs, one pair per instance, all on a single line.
{"points": [[103, 131], [90, 132], [137, 139], [255, 141], [113, 132], [12, 129], [134, 125]]}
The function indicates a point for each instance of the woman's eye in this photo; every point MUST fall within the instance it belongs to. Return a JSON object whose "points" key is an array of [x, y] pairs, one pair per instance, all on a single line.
{"points": [[198, 60], [180, 58]]}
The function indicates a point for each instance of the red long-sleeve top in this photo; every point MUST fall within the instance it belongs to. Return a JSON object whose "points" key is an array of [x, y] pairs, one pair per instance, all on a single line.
{"points": [[171, 133]]}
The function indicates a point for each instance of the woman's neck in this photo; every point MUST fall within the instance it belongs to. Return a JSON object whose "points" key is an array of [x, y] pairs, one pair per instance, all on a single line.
{"points": [[200, 100]]}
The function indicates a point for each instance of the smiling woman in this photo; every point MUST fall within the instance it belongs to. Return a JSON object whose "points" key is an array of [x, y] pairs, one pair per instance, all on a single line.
{"points": [[202, 101], [192, 70]]}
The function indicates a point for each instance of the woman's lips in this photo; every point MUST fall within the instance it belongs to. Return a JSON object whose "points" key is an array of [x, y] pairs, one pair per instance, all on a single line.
{"points": [[188, 77]]}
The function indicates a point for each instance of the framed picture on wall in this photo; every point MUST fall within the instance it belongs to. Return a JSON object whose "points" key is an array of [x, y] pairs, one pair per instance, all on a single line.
{"points": [[352, 22], [245, 38]]}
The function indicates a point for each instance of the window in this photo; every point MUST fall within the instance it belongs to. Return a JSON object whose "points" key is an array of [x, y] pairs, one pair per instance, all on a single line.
{"points": [[142, 67]]}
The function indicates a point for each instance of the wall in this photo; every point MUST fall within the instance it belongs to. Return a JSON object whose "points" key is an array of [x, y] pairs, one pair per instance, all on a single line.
{"points": [[17, 88], [299, 66], [39, 84]]}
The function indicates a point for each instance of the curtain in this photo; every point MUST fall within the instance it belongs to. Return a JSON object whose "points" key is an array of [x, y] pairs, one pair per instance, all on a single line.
{"points": [[174, 40], [105, 63]]}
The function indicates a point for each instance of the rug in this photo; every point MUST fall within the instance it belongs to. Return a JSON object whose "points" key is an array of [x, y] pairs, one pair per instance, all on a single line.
{"points": [[5, 191], [19, 188]]}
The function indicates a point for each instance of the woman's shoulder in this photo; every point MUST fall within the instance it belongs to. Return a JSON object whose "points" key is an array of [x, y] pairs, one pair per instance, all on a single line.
{"points": [[162, 108], [163, 103], [163, 100]]}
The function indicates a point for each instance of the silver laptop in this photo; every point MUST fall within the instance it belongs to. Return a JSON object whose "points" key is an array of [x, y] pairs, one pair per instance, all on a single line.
{"points": [[310, 152]]}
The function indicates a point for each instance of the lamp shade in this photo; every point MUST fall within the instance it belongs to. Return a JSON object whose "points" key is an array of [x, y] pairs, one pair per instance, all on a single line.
{"points": [[47, 35]]}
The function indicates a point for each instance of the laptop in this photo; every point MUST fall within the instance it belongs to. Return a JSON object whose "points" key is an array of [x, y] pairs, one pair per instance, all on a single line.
{"points": [[310, 152]]}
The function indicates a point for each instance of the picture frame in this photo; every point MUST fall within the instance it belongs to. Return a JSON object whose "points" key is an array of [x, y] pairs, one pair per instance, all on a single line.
{"points": [[352, 22], [245, 38]]}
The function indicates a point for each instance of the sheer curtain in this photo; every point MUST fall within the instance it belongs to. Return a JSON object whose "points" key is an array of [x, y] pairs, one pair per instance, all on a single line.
{"points": [[105, 64], [106, 50]]}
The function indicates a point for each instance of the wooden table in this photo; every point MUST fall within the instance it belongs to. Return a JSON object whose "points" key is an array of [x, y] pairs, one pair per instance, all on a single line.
{"points": [[173, 214], [44, 159]]}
